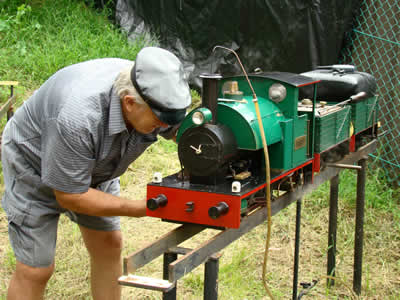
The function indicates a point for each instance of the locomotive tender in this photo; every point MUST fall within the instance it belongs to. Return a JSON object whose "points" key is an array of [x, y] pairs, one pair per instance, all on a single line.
{"points": [[309, 120]]}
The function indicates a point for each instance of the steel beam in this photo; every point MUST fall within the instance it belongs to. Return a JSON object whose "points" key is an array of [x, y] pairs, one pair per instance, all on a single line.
{"points": [[296, 249], [169, 257], [359, 232], [160, 246], [333, 209], [206, 250], [211, 269], [191, 260]]}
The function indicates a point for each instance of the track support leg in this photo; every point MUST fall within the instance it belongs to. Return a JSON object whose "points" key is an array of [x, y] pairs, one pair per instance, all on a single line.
{"points": [[296, 249], [333, 209], [211, 269], [169, 257], [359, 232]]}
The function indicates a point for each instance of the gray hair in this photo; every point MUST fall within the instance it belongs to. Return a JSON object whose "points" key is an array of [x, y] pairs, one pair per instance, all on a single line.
{"points": [[124, 86]]}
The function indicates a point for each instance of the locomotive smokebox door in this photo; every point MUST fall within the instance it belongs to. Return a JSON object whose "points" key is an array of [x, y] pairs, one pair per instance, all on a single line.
{"points": [[205, 152]]}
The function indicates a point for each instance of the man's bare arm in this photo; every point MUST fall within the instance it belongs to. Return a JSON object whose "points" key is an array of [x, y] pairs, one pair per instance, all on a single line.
{"points": [[97, 203]]}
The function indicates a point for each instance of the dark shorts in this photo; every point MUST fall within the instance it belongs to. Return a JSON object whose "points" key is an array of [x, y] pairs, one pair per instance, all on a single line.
{"points": [[33, 234], [33, 212]]}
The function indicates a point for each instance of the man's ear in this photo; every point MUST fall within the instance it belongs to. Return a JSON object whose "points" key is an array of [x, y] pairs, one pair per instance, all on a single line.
{"points": [[129, 102]]}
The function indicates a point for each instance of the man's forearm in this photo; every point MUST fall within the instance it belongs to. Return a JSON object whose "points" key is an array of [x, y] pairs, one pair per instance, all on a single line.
{"points": [[97, 203]]}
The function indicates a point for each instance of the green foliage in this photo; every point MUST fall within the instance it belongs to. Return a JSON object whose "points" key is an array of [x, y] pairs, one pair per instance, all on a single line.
{"points": [[38, 39], [234, 274], [165, 146], [194, 283], [378, 194], [10, 260], [196, 99]]}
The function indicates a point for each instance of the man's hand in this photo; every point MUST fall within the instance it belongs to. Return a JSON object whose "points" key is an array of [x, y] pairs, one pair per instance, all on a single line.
{"points": [[97, 203]]}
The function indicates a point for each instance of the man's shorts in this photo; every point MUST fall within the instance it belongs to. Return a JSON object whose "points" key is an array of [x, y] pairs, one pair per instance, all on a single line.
{"points": [[33, 219]]}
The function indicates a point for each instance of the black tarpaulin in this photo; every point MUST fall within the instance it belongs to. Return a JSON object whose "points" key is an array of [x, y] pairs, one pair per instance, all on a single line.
{"points": [[292, 36]]}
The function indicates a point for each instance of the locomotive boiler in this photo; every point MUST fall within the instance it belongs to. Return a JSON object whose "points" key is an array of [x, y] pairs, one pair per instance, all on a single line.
{"points": [[308, 120]]}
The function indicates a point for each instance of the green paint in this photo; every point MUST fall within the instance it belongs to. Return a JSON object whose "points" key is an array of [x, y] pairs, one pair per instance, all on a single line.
{"points": [[363, 113], [281, 122], [332, 129], [242, 120], [300, 130], [281, 154]]}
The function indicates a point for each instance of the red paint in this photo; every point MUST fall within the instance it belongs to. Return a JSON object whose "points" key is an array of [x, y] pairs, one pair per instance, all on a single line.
{"points": [[309, 83], [277, 178], [175, 208], [317, 162], [352, 144]]}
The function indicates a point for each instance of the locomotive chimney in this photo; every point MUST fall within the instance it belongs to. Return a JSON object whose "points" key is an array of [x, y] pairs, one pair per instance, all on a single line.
{"points": [[210, 93]]}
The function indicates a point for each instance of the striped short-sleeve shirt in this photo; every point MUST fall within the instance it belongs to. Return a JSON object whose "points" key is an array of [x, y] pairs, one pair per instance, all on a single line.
{"points": [[71, 131]]}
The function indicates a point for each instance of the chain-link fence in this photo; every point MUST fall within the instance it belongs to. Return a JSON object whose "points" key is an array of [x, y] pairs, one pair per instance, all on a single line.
{"points": [[374, 47]]}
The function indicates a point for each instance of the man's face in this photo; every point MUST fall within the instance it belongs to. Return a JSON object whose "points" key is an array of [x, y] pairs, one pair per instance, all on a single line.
{"points": [[140, 116]]}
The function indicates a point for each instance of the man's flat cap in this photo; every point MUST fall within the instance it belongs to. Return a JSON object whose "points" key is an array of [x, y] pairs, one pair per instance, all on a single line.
{"points": [[159, 78]]}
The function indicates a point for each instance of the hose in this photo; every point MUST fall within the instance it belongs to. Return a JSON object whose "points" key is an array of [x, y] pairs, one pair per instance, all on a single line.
{"points": [[267, 172], [267, 196]]}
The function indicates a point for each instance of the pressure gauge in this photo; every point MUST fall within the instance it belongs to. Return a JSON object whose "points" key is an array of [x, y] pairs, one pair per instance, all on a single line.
{"points": [[277, 92]]}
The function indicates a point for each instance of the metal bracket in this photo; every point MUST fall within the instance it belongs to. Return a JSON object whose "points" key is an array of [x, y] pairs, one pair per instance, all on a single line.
{"points": [[343, 166]]}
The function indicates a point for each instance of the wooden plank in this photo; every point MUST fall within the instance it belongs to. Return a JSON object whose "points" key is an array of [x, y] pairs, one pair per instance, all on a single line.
{"points": [[191, 260], [158, 247], [148, 283], [179, 250], [6, 106], [15, 83]]}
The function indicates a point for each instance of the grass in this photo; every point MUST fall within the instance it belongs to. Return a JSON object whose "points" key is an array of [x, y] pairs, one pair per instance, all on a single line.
{"points": [[38, 39]]}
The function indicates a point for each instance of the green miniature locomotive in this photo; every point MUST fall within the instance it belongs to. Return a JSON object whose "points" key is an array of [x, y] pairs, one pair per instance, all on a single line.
{"points": [[309, 119]]}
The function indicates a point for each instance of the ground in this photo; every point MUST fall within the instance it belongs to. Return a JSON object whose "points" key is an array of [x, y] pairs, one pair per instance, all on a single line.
{"points": [[241, 262]]}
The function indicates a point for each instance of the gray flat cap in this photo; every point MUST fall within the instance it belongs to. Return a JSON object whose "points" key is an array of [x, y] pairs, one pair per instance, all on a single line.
{"points": [[159, 78]]}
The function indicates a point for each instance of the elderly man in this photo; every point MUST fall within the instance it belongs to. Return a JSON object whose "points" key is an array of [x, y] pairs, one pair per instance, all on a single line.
{"points": [[64, 150]]}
